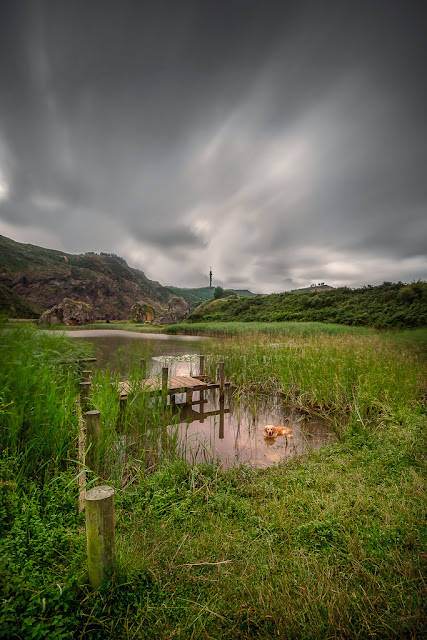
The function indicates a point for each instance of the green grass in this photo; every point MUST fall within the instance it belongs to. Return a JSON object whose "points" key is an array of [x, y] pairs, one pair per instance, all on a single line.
{"points": [[390, 305], [329, 545]]}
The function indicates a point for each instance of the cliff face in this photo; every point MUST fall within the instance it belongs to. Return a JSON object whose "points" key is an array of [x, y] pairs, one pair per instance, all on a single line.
{"points": [[33, 279]]}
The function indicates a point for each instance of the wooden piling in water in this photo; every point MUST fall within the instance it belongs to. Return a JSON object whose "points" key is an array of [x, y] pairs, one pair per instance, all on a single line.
{"points": [[165, 375], [100, 536], [221, 374], [93, 425], [202, 366]]}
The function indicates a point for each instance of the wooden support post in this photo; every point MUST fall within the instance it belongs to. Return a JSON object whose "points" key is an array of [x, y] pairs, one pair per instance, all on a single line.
{"points": [[143, 365], [122, 409], [165, 374], [93, 424], [221, 380], [84, 394], [101, 552], [202, 365], [189, 396], [221, 420]]}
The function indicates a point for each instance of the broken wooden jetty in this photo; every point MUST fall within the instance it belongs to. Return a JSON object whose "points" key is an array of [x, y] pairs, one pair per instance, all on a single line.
{"points": [[170, 386]]}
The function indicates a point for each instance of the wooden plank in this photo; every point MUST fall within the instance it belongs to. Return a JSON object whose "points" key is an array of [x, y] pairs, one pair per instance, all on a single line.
{"points": [[176, 384]]}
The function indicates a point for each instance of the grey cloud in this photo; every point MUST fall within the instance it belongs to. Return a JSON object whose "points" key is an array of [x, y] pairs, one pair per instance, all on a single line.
{"points": [[235, 134]]}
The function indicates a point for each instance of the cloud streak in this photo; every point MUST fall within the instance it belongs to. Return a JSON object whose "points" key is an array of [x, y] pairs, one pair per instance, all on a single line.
{"points": [[281, 143]]}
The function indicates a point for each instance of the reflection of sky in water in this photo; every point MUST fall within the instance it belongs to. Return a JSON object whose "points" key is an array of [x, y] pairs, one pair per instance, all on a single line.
{"points": [[232, 435], [237, 436]]}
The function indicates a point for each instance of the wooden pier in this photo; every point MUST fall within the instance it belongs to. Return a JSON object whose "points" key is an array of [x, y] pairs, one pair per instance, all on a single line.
{"points": [[170, 386]]}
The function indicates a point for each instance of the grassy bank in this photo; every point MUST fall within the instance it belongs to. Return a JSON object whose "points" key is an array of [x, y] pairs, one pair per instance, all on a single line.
{"points": [[390, 305], [329, 545]]}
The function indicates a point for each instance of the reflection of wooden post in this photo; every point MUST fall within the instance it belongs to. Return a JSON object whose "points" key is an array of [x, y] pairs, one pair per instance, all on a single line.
{"points": [[84, 394], [101, 552], [202, 365], [221, 380], [202, 402], [143, 365], [93, 423], [221, 420]]}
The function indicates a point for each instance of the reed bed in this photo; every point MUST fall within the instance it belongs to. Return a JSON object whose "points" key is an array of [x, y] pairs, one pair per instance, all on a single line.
{"points": [[329, 545]]}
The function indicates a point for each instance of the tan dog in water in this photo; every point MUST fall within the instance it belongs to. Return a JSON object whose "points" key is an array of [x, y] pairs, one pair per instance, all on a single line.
{"points": [[270, 431]]}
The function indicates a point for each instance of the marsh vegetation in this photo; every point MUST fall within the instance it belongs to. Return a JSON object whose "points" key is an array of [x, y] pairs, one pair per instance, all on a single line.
{"points": [[327, 545]]}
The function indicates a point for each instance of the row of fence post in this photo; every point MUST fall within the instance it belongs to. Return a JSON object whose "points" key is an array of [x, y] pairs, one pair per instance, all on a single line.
{"points": [[99, 501]]}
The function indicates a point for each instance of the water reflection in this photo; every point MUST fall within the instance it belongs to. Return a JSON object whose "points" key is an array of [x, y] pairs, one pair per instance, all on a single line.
{"points": [[230, 432]]}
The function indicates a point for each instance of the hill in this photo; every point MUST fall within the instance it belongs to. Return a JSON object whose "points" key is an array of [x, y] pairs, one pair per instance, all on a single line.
{"points": [[33, 279], [384, 306], [196, 296]]}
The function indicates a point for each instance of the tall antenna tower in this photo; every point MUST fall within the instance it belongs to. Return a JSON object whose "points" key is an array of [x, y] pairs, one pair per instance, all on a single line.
{"points": [[210, 278]]}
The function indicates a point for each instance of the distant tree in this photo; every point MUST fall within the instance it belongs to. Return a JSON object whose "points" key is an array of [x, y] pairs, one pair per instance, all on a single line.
{"points": [[218, 293]]}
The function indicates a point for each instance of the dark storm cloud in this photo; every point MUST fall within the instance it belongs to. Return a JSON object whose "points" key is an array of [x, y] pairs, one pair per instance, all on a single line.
{"points": [[281, 142]]}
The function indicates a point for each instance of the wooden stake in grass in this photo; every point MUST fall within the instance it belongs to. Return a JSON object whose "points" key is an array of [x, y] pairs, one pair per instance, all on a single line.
{"points": [[93, 423], [101, 548], [143, 365], [84, 394]]}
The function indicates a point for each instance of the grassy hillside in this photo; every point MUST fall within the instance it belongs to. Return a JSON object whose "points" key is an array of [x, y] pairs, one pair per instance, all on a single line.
{"points": [[384, 306], [34, 279], [196, 296]]}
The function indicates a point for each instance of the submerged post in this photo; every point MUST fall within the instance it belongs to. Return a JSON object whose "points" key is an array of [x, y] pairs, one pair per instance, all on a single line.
{"points": [[143, 365], [93, 423], [101, 551], [221, 380]]}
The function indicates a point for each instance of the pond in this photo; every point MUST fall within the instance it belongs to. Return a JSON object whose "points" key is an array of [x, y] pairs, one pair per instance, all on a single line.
{"points": [[230, 431]]}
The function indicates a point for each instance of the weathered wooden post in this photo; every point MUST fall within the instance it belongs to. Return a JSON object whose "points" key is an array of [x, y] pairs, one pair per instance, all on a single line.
{"points": [[101, 551], [84, 394], [165, 374], [122, 410], [189, 396], [93, 424], [143, 365], [221, 381], [202, 366]]}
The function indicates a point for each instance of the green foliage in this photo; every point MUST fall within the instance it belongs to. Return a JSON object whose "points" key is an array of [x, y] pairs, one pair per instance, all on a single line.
{"points": [[38, 390], [218, 293], [328, 545], [385, 306]]}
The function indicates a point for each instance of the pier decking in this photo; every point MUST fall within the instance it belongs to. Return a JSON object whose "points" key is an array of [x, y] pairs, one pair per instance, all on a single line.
{"points": [[174, 384]]}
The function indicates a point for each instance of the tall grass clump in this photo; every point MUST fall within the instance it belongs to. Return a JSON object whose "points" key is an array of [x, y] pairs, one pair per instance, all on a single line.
{"points": [[272, 329], [350, 377], [38, 392]]}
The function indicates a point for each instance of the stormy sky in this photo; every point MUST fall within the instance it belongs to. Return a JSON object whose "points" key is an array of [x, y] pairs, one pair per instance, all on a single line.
{"points": [[282, 143]]}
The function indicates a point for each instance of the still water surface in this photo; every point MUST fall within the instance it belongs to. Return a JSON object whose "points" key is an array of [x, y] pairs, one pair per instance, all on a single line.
{"points": [[231, 432]]}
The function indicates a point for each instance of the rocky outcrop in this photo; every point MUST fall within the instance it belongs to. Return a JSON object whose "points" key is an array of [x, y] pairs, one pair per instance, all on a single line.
{"points": [[70, 312], [178, 309], [142, 312]]}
